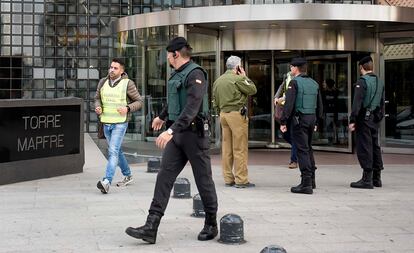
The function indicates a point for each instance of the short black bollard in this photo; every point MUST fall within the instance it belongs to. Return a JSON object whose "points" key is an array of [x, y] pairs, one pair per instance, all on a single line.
{"points": [[182, 188], [198, 207], [153, 165], [231, 229], [273, 249]]}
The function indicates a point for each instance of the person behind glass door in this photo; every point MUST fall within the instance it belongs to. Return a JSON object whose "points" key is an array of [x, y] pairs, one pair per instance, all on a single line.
{"points": [[279, 100], [115, 99]]}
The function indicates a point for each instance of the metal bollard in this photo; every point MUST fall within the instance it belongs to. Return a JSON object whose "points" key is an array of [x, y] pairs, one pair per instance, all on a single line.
{"points": [[198, 207], [231, 229], [273, 249], [153, 165], [182, 188]]}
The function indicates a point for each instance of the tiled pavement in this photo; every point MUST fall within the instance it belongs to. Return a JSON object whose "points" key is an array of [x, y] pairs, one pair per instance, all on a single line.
{"points": [[68, 213]]}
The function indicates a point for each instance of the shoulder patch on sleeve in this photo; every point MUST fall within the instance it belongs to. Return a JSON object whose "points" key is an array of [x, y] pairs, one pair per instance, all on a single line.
{"points": [[199, 81]]}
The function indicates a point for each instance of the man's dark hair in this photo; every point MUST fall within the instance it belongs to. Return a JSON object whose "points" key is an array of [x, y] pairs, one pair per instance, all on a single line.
{"points": [[186, 52], [369, 66], [121, 62], [303, 68]]}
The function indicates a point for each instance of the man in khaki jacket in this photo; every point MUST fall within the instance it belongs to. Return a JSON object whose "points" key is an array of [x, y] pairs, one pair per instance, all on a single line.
{"points": [[230, 92]]}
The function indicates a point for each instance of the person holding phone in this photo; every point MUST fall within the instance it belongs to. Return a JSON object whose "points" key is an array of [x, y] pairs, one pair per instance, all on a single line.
{"points": [[230, 93]]}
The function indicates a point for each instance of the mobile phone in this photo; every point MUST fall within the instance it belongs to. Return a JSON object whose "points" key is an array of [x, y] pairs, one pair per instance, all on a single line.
{"points": [[238, 70]]}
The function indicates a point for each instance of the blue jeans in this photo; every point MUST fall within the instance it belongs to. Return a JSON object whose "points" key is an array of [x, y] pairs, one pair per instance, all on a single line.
{"points": [[114, 134], [288, 137]]}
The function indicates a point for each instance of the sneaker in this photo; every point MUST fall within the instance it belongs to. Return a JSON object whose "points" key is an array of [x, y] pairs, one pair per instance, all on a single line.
{"points": [[126, 181], [293, 165], [247, 185], [103, 186], [229, 184]]}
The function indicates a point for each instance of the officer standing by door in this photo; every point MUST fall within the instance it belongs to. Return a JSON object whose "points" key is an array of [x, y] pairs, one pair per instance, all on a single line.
{"points": [[367, 113], [302, 108], [185, 140]]}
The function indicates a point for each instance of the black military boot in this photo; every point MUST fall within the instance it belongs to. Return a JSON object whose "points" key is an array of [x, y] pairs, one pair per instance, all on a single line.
{"points": [[148, 232], [365, 182], [210, 228], [304, 187], [376, 178], [313, 180]]}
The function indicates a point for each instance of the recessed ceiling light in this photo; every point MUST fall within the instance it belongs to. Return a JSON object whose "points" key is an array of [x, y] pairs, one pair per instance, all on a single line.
{"points": [[370, 26], [286, 51], [223, 26], [325, 24], [274, 25]]}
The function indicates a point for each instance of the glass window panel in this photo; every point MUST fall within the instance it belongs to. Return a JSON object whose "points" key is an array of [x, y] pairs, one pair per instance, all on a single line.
{"points": [[38, 19], [115, 10], [124, 11], [92, 86], [93, 20], [17, 7], [49, 62], [60, 62], [72, 8], [93, 42], [17, 18], [93, 63], [147, 9], [83, 84], [27, 40], [38, 73], [16, 40], [60, 84], [6, 29], [104, 52], [28, 8], [60, 94], [39, 8], [50, 8], [82, 20], [104, 9], [16, 29], [93, 52], [5, 50], [5, 18], [71, 20], [50, 84], [27, 29], [28, 51], [50, 94], [27, 84], [136, 10], [38, 94], [82, 73], [16, 50], [93, 31], [36, 41], [28, 72], [94, 8], [28, 61], [38, 84], [36, 51], [83, 62], [38, 62], [60, 74], [28, 19], [82, 51], [61, 8], [50, 73], [70, 84], [71, 73], [5, 40], [5, 7], [50, 51]]}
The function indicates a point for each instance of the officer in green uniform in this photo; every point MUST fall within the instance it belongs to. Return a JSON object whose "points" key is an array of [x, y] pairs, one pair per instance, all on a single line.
{"points": [[302, 108], [367, 112], [185, 140]]}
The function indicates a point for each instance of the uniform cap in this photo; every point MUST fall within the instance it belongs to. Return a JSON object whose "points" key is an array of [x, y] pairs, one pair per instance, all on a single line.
{"points": [[364, 60], [297, 62], [177, 43]]}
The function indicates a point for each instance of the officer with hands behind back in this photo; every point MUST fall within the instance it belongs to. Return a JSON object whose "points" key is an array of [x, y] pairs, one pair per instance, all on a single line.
{"points": [[302, 108], [367, 112], [185, 140]]}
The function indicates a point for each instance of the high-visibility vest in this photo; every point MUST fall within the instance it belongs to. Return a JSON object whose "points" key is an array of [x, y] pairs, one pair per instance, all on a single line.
{"points": [[112, 98]]}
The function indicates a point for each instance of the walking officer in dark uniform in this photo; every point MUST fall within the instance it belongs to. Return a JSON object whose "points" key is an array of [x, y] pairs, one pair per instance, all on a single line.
{"points": [[302, 109], [185, 140], [367, 112]]}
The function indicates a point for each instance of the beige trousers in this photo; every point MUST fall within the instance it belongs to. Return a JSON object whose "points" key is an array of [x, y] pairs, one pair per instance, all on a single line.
{"points": [[234, 147]]}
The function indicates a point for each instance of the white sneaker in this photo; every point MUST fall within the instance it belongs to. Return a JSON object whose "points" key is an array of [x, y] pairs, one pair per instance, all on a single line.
{"points": [[126, 181], [103, 186]]}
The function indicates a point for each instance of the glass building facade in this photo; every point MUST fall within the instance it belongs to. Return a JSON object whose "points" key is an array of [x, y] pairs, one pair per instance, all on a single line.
{"points": [[52, 49]]}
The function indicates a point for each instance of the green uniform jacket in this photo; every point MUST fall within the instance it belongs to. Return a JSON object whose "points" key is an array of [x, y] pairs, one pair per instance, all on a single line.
{"points": [[230, 91]]}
